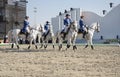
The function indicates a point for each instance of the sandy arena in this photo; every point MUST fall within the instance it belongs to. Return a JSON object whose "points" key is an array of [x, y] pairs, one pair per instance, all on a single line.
{"points": [[103, 61]]}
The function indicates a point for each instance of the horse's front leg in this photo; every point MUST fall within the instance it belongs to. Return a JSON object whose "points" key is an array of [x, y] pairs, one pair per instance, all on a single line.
{"points": [[12, 41], [74, 40], [45, 44], [87, 44], [53, 42], [91, 43], [68, 43], [41, 42], [60, 44], [35, 44]]}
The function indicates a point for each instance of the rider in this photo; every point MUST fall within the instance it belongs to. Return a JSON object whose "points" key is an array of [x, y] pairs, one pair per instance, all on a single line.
{"points": [[82, 26], [26, 26], [46, 28], [67, 22]]}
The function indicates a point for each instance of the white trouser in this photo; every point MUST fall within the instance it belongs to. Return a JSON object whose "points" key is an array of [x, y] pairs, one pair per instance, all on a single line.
{"points": [[66, 28]]}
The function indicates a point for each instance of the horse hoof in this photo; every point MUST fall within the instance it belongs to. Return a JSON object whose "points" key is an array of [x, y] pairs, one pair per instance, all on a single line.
{"points": [[12, 46], [86, 46], [29, 47], [53, 46], [18, 47], [68, 46], [45, 46], [92, 47], [74, 47], [60, 47], [36, 47]]}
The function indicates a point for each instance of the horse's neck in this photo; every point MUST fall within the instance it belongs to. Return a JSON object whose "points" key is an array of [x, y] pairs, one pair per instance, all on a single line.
{"points": [[92, 29]]}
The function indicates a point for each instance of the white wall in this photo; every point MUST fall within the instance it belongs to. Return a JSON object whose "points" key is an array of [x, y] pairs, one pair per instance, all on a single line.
{"points": [[109, 24]]}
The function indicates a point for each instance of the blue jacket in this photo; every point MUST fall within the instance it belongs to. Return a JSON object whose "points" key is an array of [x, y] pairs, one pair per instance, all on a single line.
{"points": [[67, 21], [81, 23], [26, 24], [46, 27]]}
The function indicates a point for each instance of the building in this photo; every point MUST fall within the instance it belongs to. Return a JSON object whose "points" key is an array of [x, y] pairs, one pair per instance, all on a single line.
{"points": [[109, 23], [12, 13]]}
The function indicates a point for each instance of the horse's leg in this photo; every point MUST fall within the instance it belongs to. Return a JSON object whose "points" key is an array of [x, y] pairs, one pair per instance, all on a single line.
{"points": [[60, 43], [41, 45], [68, 42], [12, 45], [42, 42], [53, 42], [91, 44], [87, 44], [60, 47], [16, 41], [35, 44], [45, 44], [74, 47], [30, 43], [74, 39], [12, 41]]}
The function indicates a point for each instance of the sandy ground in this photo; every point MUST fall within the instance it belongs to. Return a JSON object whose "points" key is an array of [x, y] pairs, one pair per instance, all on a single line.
{"points": [[103, 61]]}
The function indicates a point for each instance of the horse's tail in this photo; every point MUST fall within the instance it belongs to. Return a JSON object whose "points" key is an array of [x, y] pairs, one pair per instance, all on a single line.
{"points": [[10, 36]]}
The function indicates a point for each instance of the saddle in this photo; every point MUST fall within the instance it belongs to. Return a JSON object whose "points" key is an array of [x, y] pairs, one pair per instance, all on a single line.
{"points": [[64, 33], [21, 32], [80, 31], [25, 33]]}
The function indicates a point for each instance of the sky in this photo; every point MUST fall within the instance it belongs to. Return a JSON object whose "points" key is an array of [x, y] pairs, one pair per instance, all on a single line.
{"points": [[46, 9]]}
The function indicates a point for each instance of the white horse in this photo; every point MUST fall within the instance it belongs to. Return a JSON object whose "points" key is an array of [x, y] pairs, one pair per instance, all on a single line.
{"points": [[34, 33], [49, 36], [70, 37], [13, 36], [89, 36]]}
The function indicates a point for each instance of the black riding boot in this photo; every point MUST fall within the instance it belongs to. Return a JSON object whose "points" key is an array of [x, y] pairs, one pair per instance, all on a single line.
{"points": [[26, 41], [64, 35], [84, 33], [45, 36]]}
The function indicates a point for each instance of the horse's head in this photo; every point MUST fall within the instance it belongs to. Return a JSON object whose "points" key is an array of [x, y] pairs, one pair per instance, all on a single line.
{"points": [[73, 25], [39, 27], [96, 26]]}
